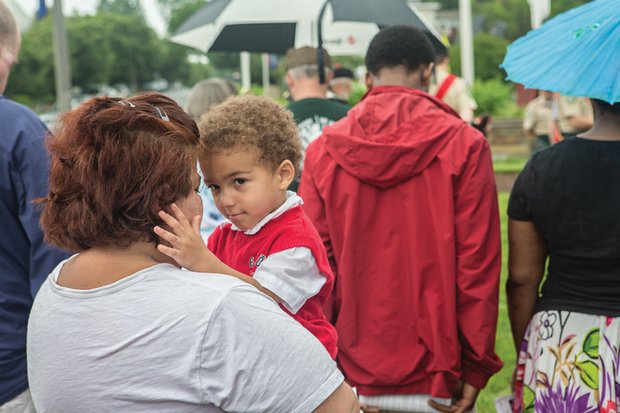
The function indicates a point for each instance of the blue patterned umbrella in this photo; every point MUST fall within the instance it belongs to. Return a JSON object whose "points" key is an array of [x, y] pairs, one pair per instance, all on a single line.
{"points": [[576, 53]]}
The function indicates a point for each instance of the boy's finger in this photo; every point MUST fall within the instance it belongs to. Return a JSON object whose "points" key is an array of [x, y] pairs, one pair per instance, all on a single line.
{"points": [[180, 216], [171, 252], [196, 223], [172, 222], [166, 235]]}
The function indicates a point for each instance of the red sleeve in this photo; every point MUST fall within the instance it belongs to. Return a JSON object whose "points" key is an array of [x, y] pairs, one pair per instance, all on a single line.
{"points": [[478, 265], [314, 206]]}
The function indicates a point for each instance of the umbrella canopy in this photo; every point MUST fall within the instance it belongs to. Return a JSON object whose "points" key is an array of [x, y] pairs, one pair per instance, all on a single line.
{"points": [[273, 26], [577, 53]]}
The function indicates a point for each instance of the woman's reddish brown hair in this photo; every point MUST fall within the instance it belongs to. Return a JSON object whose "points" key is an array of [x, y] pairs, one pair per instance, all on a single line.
{"points": [[114, 164]]}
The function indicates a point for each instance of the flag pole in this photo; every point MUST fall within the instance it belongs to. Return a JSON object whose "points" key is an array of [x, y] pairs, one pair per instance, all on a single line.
{"points": [[467, 43], [62, 70]]}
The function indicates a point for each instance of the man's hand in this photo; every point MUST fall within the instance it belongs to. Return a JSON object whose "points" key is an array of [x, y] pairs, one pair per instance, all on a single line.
{"points": [[465, 399]]}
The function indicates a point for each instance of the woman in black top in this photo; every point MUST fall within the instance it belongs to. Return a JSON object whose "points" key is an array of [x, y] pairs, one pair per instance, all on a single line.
{"points": [[565, 208]]}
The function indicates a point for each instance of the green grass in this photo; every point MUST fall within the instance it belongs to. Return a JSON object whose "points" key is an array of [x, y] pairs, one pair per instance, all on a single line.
{"points": [[499, 385], [509, 164]]}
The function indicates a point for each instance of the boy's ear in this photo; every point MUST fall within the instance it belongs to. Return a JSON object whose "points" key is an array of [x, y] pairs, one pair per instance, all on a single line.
{"points": [[286, 174]]}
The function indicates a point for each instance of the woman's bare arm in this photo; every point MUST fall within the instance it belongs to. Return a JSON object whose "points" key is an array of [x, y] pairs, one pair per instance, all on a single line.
{"points": [[342, 400], [526, 267]]}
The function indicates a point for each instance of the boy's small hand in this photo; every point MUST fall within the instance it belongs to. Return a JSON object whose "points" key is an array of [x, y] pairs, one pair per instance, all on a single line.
{"points": [[186, 245]]}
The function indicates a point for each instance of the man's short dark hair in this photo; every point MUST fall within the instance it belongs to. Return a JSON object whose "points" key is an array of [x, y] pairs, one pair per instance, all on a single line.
{"points": [[395, 46]]}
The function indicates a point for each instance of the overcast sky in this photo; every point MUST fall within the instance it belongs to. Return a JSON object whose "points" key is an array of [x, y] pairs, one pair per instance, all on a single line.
{"points": [[89, 6]]}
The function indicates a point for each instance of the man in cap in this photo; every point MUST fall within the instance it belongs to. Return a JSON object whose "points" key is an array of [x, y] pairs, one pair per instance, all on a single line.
{"points": [[403, 195], [311, 108], [25, 259]]}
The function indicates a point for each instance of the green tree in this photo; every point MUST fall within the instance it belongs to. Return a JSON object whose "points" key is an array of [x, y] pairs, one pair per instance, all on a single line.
{"points": [[489, 52], [505, 18], [104, 49], [32, 79], [137, 50], [90, 46], [124, 7], [179, 11]]}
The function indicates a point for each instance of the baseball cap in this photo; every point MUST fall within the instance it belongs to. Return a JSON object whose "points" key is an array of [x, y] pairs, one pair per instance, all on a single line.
{"points": [[305, 55]]}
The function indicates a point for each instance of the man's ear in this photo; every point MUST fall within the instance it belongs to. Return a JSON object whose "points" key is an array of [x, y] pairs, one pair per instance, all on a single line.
{"points": [[290, 80], [368, 81], [285, 173], [427, 73]]}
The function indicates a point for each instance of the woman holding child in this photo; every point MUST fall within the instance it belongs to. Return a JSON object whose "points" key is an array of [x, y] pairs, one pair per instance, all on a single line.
{"points": [[119, 326]]}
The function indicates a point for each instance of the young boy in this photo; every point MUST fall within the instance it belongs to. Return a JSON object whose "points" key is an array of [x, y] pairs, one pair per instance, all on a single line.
{"points": [[252, 154]]}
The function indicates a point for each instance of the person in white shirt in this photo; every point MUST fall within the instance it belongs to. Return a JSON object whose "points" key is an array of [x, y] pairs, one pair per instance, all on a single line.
{"points": [[119, 326]]}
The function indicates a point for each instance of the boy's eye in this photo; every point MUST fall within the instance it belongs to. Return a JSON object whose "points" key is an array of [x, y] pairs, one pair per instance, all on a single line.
{"points": [[213, 187], [240, 181]]}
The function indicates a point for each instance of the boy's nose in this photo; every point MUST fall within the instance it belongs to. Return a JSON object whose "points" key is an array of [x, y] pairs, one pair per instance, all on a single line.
{"points": [[226, 199]]}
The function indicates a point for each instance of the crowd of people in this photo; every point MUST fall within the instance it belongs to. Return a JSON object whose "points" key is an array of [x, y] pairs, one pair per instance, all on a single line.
{"points": [[352, 259]]}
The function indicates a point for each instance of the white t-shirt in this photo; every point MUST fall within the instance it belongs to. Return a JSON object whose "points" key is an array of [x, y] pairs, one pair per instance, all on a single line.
{"points": [[166, 340]]}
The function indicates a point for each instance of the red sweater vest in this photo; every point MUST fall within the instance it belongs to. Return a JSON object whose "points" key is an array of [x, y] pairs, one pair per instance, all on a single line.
{"points": [[292, 229]]}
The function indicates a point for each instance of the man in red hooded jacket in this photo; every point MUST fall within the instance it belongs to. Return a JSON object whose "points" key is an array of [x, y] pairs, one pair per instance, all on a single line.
{"points": [[403, 195]]}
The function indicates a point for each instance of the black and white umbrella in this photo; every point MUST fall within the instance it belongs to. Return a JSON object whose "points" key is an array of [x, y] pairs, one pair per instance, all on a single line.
{"points": [[272, 26]]}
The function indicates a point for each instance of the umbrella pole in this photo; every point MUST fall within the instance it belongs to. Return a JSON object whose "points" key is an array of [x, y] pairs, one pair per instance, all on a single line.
{"points": [[321, 63], [246, 83], [265, 62]]}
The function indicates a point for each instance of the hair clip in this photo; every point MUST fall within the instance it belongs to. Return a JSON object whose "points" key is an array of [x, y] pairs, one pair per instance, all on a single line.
{"points": [[126, 103], [162, 114]]}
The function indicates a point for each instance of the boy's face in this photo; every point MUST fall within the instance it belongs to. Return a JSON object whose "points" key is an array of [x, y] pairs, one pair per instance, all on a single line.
{"points": [[244, 190]]}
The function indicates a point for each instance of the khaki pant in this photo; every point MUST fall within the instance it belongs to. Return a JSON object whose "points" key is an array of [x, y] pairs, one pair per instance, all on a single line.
{"points": [[20, 404]]}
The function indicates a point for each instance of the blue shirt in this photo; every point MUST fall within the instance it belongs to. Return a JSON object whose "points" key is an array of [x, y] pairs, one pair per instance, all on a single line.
{"points": [[25, 259]]}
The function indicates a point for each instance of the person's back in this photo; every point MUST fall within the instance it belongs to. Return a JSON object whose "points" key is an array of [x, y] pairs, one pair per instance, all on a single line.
{"points": [[571, 193], [168, 357], [312, 115], [403, 195], [25, 259]]}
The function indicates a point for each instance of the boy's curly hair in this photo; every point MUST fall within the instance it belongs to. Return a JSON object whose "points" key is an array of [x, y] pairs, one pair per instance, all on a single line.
{"points": [[250, 121]]}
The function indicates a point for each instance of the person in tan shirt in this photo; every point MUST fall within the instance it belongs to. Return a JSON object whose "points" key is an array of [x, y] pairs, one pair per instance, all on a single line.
{"points": [[452, 90], [574, 115], [538, 121]]}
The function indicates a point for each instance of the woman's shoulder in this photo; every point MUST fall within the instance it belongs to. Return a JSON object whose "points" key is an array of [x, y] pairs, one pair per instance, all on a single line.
{"points": [[173, 280]]}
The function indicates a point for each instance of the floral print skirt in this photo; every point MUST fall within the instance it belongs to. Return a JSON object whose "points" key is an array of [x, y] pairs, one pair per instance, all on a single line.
{"points": [[569, 362]]}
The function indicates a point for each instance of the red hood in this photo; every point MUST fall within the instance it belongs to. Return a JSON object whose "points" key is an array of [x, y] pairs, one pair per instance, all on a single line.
{"points": [[394, 133]]}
